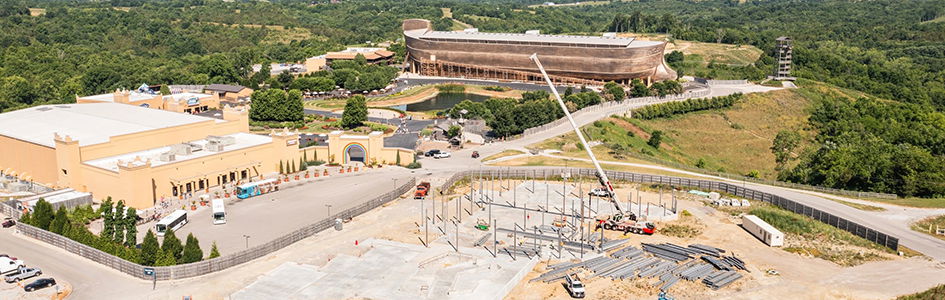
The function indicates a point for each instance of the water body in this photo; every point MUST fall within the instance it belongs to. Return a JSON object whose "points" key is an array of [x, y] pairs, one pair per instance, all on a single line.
{"points": [[441, 101]]}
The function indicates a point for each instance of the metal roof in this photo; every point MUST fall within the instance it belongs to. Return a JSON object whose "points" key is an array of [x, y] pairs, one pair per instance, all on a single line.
{"points": [[575, 40], [225, 88], [91, 123]]}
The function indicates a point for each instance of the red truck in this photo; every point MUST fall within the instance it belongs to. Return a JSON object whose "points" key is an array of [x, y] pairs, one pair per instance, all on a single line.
{"points": [[422, 189]]}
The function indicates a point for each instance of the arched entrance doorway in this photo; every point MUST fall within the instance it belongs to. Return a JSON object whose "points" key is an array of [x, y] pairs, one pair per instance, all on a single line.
{"points": [[354, 152]]}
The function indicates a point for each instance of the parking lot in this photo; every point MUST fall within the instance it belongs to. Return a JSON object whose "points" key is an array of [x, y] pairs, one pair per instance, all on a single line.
{"points": [[14, 247], [266, 217]]}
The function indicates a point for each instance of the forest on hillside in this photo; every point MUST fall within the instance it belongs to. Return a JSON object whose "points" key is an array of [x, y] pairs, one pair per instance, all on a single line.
{"points": [[894, 51]]}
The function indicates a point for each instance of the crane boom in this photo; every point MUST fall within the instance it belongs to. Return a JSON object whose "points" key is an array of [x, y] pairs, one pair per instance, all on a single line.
{"points": [[604, 181]]}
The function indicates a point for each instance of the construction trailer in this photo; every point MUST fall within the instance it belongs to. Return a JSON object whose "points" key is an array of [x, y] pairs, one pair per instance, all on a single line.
{"points": [[763, 231]]}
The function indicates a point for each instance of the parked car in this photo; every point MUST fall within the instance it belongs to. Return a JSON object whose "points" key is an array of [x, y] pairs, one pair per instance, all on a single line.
{"points": [[39, 284], [475, 154], [8, 223], [432, 152], [22, 274], [442, 155]]}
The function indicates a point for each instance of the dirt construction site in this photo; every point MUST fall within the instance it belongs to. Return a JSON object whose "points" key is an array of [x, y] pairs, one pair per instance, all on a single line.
{"points": [[444, 247]]}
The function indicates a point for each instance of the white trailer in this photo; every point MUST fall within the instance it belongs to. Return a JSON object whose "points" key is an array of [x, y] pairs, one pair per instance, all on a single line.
{"points": [[763, 231]]}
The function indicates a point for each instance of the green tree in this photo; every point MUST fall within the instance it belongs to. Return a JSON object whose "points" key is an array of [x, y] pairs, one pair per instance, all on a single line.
{"points": [[192, 252], [171, 244], [214, 252], [292, 170], [118, 223], [165, 90], [355, 112], [165, 259], [639, 89], [60, 221], [42, 214], [302, 165], [150, 250], [285, 79], [453, 131], [655, 139], [674, 57], [784, 144], [615, 90], [131, 230], [108, 229], [281, 168], [360, 59]]}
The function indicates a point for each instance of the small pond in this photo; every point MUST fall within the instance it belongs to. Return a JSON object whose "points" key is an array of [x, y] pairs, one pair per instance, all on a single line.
{"points": [[441, 101]]}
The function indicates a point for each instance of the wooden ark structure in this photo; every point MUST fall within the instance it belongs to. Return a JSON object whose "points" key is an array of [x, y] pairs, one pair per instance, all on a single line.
{"points": [[568, 59]]}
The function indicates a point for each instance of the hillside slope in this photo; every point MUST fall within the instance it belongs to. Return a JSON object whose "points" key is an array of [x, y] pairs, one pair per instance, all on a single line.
{"points": [[734, 140]]}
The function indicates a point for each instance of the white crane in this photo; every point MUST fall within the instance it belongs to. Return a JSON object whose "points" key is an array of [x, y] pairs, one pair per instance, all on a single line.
{"points": [[604, 181]]}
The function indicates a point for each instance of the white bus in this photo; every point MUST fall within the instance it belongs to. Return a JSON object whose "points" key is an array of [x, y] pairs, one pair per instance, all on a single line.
{"points": [[172, 221], [219, 212]]}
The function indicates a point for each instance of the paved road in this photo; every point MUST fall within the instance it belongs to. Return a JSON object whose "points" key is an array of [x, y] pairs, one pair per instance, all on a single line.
{"points": [[89, 280]]}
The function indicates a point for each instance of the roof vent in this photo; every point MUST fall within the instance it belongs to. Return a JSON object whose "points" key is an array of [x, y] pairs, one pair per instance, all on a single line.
{"points": [[471, 30], [609, 34], [167, 157], [45, 108], [63, 106], [533, 32]]}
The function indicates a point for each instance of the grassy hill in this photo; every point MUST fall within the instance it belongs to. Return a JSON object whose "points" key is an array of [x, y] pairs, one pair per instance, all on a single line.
{"points": [[735, 140]]}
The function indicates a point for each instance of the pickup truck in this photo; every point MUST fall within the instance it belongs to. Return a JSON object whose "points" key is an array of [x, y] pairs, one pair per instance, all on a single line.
{"points": [[22, 274], [574, 286]]}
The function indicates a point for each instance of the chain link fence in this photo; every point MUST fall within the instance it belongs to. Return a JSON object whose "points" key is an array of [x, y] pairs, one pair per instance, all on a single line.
{"points": [[209, 265], [865, 232]]}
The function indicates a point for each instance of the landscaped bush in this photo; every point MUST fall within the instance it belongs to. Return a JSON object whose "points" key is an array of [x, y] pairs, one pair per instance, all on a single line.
{"points": [[674, 108]]}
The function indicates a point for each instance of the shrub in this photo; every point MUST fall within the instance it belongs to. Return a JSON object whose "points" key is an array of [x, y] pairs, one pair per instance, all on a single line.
{"points": [[414, 165]]}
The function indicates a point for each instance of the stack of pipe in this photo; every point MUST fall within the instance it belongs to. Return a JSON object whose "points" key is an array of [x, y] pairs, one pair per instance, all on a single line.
{"points": [[721, 279]]}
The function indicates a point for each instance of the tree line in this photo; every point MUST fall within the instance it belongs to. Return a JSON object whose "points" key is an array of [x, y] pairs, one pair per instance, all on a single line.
{"points": [[119, 234], [872, 145], [669, 109]]}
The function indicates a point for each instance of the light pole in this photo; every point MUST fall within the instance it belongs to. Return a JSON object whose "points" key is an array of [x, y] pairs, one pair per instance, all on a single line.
{"points": [[247, 241], [329, 210]]}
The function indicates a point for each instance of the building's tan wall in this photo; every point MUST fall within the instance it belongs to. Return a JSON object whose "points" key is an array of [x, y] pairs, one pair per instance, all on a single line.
{"points": [[314, 153], [25, 158], [144, 186], [389, 156]]}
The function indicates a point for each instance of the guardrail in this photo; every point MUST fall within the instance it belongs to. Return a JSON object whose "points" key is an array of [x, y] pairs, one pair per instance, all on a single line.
{"points": [[209, 265], [867, 233]]}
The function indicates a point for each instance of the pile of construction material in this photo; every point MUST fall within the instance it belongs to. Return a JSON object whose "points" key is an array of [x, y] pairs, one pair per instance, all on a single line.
{"points": [[666, 261], [731, 202]]}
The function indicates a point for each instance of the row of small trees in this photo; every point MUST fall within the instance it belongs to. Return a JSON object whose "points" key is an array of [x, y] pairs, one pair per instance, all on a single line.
{"points": [[118, 236], [680, 107], [171, 252]]}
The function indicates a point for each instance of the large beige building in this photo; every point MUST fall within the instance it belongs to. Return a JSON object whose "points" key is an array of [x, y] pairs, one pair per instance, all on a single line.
{"points": [[180, 102], [143, 155]]}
